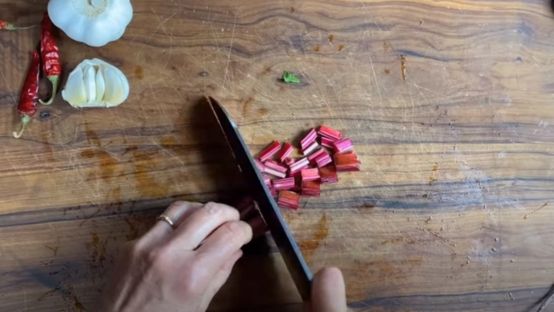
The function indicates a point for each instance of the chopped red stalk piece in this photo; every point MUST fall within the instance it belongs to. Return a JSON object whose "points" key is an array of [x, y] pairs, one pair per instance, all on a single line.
{"points": [[347, 162], [310, 149], [298, 180], [275, 173], [267, 180], [328, 174], [299, 165], [308, 139], [273, 192], [260, 166], [283, 184], [275, 166], [289, 199], [288, 161], [316, 154], [343, 146], [311, 188], [285, 152], [269, 151], [323, 160], [329, 132], [327, 142], [311, 174], [246, 207]]}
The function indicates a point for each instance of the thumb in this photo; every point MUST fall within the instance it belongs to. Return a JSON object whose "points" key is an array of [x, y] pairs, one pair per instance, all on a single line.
{"points": [[328, 291]]}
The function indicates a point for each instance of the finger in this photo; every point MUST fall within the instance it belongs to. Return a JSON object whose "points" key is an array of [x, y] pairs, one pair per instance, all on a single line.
{"points": [[221, 277], [223, 243], [328, 291], [200, 224], [177, 212]]}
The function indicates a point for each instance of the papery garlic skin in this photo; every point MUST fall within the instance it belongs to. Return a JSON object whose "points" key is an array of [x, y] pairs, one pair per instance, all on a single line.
{"points": [[96, 83], [93, 22]]}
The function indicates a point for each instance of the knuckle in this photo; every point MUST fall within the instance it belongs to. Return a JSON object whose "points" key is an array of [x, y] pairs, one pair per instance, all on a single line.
{"points": [[158, 255], [137, 248], [178, 204], [237, 230], [175, 204], [217, 209], [152, 256], [191, 280]]}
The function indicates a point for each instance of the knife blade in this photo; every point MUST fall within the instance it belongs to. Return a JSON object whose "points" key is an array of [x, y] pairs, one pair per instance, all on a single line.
{"points": [[291, 253]]}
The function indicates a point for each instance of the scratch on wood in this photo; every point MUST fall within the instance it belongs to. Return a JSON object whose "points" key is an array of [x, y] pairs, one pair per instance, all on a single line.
{"points": [[54, 249], [403, 66], [229, 52], [532, 212]]}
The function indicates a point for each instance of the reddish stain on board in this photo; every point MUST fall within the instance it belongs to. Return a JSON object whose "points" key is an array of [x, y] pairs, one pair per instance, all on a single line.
{"points": [[88, 153], [263, 111], [246, 105], [139, 72], [145, 183], [321, 232], [97, 249], [168, 141], [384, 269], [433, 178], [106, 163]]}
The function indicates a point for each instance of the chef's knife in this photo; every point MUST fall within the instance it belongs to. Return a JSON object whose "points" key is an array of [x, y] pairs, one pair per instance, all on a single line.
{"points": [[292, 255]]}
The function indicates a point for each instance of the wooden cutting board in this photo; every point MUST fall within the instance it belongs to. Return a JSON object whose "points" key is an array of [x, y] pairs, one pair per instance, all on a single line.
{"points": [[449, 103]]}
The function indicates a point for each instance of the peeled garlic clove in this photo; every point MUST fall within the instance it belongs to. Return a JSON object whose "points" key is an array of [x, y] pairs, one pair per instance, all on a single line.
{"points": [[96, 83], [117, 87], [74, 91], [90, 83], [100, 86]]}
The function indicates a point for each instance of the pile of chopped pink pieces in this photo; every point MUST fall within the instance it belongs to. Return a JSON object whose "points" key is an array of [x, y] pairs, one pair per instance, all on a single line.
{"points": [[325, 152]]}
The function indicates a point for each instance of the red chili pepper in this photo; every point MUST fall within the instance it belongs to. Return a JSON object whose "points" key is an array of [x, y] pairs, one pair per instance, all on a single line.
{"points": [[50, 55], [4, 25], [27, 107]]}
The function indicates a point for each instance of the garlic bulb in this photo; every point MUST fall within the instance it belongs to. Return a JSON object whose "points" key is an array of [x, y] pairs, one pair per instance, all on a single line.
{"points": [[95, 83], [93, 22]]}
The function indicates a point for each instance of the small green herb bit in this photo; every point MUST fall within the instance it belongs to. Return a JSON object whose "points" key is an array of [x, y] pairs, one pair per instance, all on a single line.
{"points": [[291, 78]]}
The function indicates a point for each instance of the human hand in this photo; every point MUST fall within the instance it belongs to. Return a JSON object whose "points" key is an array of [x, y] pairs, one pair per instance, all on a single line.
{"points": [[328, 291], [179, 268]]}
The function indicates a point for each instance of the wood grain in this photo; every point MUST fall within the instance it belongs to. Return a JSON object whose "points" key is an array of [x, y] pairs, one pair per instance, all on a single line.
{"points": [[449, 104]]}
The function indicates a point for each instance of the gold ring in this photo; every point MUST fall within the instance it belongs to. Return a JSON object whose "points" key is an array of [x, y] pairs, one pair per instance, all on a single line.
{"points": [[163, 217]]}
